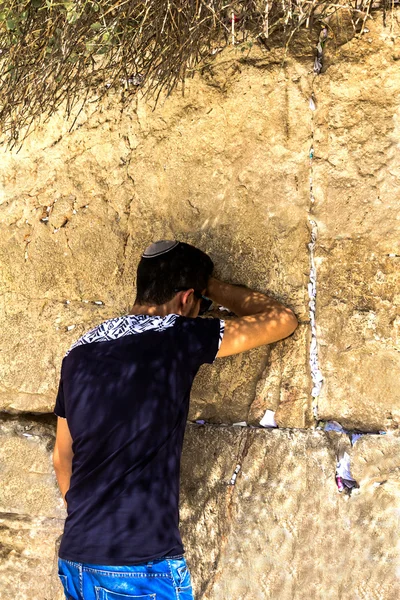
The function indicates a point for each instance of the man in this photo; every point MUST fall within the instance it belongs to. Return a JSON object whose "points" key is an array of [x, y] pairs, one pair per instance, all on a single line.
{"points": [[122, 407]]}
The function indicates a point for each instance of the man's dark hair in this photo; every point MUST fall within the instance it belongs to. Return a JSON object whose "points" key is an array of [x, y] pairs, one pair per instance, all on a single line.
{"points": [[184, 267]]}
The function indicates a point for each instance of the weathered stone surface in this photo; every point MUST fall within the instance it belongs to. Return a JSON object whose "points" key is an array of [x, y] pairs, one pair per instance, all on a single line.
{"points": [[209, 459], [284, 385], [42, 331], [282, 520], [225, 390], [28, 565], [224, 167], [375, 459], [375, 465], [283, 529], [28, 484], [31, 512], [356, 183]]}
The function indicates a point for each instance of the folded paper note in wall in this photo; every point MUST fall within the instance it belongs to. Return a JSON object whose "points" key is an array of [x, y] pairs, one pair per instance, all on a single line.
{"points": [[268, 419], [344, 478]]}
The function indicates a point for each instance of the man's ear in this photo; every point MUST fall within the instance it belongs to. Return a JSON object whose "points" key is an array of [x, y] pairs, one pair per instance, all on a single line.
{"points": [[186, 295], [185, 302]]}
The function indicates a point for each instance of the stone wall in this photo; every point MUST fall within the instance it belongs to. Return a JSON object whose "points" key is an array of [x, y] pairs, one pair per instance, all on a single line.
{"points": [[227, 167]]}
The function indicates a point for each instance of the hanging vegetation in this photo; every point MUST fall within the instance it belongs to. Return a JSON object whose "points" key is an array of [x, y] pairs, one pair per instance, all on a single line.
{"points": [[56, 52]]}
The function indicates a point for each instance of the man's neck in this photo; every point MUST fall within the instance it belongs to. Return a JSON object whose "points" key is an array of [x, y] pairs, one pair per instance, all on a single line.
{"points": [[161, 310]]}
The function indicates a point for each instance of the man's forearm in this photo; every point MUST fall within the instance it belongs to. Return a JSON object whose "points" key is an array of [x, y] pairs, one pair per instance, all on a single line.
{"points": [[241, 300], [63, 475]]}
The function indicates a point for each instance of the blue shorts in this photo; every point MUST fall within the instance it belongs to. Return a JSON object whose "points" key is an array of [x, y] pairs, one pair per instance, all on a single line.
{"points": [[161, 579]]}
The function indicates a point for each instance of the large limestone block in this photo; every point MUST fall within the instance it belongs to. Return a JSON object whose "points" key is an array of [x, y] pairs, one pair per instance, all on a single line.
{"points": [[42, 331], [283, 529], [375, 509], [281, 384], [281, 519], [28, 551], [284, 386], [224, 391], [31, 511], [356, 184], [224, 157], [28, 484], [223, 167]]}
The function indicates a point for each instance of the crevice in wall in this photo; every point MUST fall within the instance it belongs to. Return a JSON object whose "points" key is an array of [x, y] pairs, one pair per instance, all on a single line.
{"points": [[343, 452], [244, 443], [26, 518], [37, 427], [28, 418], [316, 375]]}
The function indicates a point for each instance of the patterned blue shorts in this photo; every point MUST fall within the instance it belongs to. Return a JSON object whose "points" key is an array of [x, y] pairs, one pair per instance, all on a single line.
{"points": [[162, 579]]}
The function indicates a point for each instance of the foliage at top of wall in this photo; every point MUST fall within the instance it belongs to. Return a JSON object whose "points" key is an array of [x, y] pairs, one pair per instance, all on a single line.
{"points": [[56, 52]]}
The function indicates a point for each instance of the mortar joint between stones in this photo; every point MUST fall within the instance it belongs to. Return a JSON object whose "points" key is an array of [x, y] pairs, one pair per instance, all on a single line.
{"points": [[316, 375]]}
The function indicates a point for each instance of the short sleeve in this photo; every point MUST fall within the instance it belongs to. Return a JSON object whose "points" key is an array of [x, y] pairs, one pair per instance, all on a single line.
{"points": [[202, 338], [59, 408]]}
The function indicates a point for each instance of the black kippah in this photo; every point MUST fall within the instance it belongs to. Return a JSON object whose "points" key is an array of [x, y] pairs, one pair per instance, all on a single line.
{"points": [[158, 248]]}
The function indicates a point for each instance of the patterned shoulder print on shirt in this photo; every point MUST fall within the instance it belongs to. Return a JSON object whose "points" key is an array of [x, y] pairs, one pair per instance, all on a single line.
{"points": [[221, 332], [122, 326]]}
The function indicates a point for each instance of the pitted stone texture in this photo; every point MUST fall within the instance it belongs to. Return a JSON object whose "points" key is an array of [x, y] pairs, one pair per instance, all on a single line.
{"points": [[284, 521], [274, 377], [226, 163], [210, 456], [224, 168], [28, 483], [375, 465], [284, 385], [358, 335], [224, 391], [356, 185], [31, 511], [42, 331], [28, 566], [375, 459]]}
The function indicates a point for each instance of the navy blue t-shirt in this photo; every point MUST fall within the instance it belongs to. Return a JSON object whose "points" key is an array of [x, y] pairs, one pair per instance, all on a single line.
{"points": [[124, 391]]}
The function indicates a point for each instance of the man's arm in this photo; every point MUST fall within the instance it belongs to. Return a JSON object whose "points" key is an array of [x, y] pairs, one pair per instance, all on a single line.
{"points": [[261, 319], [62, 456]]}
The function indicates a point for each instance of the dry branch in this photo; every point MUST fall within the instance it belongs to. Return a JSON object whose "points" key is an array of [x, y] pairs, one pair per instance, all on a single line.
{"points": [[54, 52]]}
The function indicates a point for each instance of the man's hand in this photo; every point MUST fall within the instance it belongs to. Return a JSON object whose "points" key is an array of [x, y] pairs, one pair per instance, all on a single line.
{"points": [[261, 319]]}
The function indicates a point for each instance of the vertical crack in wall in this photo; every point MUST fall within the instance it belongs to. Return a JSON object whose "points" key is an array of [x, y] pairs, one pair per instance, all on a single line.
{"points": [[245, 440], [316, 375]]}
